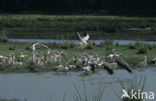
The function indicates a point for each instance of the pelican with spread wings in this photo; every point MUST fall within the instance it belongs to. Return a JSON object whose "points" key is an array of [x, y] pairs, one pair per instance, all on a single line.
{"points": [[84, 41], [33, 46]]}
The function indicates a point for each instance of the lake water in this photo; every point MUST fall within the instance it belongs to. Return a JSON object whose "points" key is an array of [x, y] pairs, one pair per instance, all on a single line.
{"points": [[52, 87], [120, 42]]}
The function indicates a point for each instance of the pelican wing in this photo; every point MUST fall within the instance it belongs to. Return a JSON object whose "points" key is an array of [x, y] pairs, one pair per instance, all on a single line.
{"points": [[154, 59], [41, 59], [123, 64], [36, 44], [78, 35], [108, 68], [85, 38], [44, 46]]}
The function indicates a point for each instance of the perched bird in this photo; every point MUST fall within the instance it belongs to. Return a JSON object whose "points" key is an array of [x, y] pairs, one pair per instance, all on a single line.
{"points": [[36, 61], [22, 56], [18, 63], [71, 67], [143, 63], [4, 63], [14, 62], [153, 61], [86, 68], [2, 57], [123, 64], [108, 68], [111, 57], [61, 67], [33, 46]]}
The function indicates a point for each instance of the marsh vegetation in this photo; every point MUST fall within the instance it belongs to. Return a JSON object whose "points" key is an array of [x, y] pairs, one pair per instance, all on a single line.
{"points": [[64, 27]]}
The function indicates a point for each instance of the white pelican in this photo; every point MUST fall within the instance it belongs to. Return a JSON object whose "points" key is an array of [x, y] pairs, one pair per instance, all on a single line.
{"points": [[86, 68], [153, 61], [14, 62], [33, 47], [143, 63], [111, 57], [61, 67], [84, 41], [36, 61], [18, 63], [4, 63], [123, 64], [71, 67], [3, 57]]}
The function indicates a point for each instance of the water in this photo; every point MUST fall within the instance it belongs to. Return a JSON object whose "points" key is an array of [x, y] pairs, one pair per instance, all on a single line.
{"points": [[135, 29], [52, 87], [120, 42]]}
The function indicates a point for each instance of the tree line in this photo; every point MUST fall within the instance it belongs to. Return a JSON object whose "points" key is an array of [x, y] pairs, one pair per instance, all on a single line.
{"points": [[102, 7]]}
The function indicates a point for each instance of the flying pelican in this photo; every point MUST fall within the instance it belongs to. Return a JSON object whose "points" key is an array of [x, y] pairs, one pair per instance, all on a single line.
{"points": [[84, 41]]}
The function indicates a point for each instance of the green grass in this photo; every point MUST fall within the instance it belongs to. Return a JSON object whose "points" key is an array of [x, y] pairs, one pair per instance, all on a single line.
{"points": [[64, 27]]}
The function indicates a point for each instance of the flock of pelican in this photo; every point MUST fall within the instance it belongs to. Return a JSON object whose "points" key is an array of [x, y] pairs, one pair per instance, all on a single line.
{"points": [[84, 61]]}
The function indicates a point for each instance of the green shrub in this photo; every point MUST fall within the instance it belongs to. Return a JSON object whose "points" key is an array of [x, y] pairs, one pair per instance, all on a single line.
{"points": [[143, 50], [132, 46]]}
